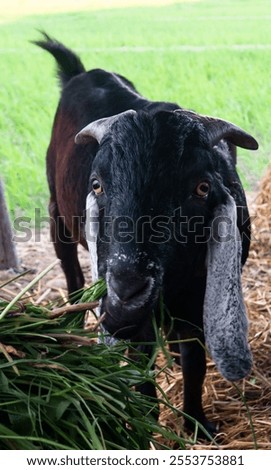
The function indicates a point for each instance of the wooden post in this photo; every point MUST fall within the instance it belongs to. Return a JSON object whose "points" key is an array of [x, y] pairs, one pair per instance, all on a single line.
{"points": [[8, 256]]}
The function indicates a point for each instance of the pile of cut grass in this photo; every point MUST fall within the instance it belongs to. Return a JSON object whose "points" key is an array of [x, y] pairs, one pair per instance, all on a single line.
{"points": [[61, 389]]}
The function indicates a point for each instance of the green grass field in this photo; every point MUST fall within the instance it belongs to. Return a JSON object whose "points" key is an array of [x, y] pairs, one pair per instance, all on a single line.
{"points": [[210, 56]]}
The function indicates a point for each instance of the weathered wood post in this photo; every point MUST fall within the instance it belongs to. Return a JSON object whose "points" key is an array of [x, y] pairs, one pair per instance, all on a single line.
{"points": [[8, 256]]}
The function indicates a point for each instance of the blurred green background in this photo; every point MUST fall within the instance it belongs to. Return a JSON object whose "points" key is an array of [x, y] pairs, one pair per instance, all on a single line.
{"points": [[210, 56]]}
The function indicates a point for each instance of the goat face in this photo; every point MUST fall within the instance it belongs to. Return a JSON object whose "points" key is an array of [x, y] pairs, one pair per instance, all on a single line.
{"points": [[155, 190]]}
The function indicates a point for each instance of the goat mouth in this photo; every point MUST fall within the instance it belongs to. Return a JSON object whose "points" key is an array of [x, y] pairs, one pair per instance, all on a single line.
{"points": [[128, 310], [117, 329]]}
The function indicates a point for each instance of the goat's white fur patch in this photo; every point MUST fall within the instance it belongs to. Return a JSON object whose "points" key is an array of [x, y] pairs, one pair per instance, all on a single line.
{"points": [[91, 232], [225, 319], [92, 229]]}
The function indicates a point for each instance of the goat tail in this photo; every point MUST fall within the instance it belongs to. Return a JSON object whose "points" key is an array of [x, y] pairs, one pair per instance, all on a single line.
{"points": [[68, 62]]}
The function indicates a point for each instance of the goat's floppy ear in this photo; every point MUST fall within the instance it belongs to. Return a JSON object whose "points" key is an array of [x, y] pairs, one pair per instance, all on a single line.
{"points": [[224, 316], [98, 129]]}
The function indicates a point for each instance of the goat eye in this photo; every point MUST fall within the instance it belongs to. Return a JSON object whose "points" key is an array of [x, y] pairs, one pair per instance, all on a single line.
{"points": [[97, 187], [202, 189]]}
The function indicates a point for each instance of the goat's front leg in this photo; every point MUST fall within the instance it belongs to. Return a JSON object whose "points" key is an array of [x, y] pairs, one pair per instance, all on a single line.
{"points": [[66, 250], [194, 368]]}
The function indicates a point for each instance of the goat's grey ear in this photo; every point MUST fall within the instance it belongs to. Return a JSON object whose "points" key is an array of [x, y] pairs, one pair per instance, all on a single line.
{"points": [[224, 316], [98, 129], [219, 129]]}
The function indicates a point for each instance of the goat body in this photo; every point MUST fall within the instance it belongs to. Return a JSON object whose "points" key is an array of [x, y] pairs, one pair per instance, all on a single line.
{"points": [[152, 190]]}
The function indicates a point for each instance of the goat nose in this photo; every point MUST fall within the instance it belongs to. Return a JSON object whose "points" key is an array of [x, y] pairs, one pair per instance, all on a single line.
{"points": [[128, 288]]}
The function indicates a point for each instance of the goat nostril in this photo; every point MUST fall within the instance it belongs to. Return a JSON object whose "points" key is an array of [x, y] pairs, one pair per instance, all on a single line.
{"points": [[128, 289]]}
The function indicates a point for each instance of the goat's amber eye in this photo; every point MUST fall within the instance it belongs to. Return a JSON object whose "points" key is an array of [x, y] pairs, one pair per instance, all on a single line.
{"points": [[202, 189], [97, 187]]}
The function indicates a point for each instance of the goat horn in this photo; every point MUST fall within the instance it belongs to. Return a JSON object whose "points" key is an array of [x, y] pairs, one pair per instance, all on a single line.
{"points": [[219, 129], [98, 129]]}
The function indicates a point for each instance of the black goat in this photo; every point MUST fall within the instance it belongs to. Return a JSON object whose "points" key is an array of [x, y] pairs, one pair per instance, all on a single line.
{"points": [[165, 213]]}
